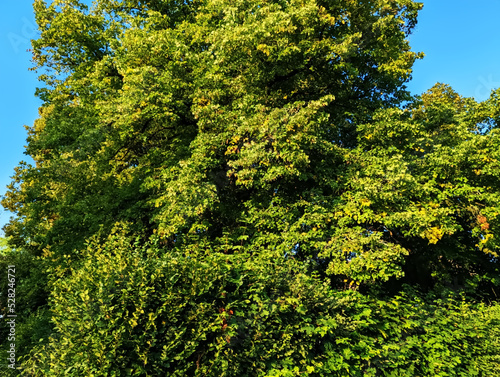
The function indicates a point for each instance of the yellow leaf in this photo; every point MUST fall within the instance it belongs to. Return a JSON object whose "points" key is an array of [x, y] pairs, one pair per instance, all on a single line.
{"points": [[433, 234]]}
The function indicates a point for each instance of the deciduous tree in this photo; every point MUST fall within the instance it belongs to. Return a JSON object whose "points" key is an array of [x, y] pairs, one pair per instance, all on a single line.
{"points": [[284, 206]]}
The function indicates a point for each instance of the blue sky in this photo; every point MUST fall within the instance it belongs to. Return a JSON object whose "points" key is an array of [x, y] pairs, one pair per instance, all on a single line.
{"points": [[461, 40], [18, 105]]}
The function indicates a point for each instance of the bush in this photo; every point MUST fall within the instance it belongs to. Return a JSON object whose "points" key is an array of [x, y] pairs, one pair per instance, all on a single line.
{"points": [[32, 321], [130, 310]]}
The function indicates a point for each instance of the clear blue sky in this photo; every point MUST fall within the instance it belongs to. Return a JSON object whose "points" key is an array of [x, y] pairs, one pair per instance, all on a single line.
{"points": [[18, 105], [461, 40]]}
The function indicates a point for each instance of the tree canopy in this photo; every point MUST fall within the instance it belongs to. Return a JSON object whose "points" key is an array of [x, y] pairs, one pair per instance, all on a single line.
{"points": [[232, 188]]}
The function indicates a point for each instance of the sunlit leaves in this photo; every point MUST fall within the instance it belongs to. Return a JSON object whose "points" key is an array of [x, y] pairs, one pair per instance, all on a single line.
{"points": [[279, 184]]}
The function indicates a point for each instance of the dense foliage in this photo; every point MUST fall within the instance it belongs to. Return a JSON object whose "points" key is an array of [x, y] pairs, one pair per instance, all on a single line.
{"points": [[246, 188]]}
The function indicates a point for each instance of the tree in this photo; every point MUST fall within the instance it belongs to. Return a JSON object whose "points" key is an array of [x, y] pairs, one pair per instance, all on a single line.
{"points": [[262, 158], [133, 89], [425, 180]]}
